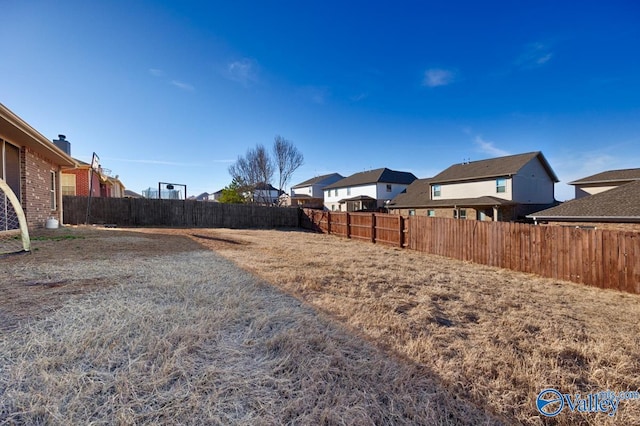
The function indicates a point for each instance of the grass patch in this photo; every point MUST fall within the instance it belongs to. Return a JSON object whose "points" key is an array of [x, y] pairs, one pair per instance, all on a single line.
{"points": [[491, 336]]}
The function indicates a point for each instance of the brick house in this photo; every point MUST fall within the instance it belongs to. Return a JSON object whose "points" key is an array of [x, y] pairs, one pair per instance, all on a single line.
{"points": [[32, 166], [81, 180]]}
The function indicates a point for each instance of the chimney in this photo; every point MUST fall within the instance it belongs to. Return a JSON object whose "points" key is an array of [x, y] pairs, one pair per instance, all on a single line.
{"points": [[63, 144]]}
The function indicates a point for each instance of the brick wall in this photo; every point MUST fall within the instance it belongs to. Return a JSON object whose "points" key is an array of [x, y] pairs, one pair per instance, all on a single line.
{"points": [[629, 227], [82, 182], [36, 192]]}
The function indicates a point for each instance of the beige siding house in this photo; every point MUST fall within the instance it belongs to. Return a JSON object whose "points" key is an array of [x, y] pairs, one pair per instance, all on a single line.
{"points": [[31, 165], [504, 188], [604, 181]]}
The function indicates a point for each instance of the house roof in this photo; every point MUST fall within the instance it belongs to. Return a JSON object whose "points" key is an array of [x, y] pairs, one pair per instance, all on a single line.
{"points": [[357, 198], [491, 168], [416, 194], [132, 194], [20, 132], [201, 197], [486, 201], [265, 187], [383, 175], [621, 204], [332, 177], [623, 175]]}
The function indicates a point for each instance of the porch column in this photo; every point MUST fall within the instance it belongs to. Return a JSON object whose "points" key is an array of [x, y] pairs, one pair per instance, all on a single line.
{"points": [[495, 213]]}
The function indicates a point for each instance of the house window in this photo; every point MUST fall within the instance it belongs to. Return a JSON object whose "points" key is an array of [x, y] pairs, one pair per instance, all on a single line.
{"points": [[501, 185], [68, 184], [335, 192], [463, 214], [455, 214], [10, 166], [348, 191], [52, 189], [436, 190], [333, 207], [412, 212], [431, 213], [309, 190], [388, 187]]}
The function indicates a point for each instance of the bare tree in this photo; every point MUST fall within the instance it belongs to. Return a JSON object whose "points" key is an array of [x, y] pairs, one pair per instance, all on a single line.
{"points": [[254, 172], [287, 159]]}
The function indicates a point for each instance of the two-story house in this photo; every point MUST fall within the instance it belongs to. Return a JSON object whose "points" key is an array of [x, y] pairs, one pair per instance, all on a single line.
{"points": [[504, 188], [370, 190], [310, 193]]}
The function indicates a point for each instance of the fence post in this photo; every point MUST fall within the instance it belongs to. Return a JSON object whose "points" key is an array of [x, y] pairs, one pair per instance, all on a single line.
{"points": [[348, 220], [401, 231], [373, 227], [328, 223]]}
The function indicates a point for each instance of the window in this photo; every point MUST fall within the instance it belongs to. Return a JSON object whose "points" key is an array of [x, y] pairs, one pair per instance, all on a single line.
{"points": [[431, 213], [348, 191], [333, 207], [68, 184], [463, 214], [388, 187], [52, 189], [501, 185], [10, 166], [412, 212], [437, 190], [335, 192], [309, 190]]}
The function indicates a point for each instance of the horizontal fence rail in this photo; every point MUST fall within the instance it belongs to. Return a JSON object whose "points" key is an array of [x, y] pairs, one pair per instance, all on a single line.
{"points": [[601, 258], [176, 213]]}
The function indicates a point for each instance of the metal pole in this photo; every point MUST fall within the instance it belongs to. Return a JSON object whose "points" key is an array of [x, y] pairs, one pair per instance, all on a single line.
{"points": [[86, 221]]}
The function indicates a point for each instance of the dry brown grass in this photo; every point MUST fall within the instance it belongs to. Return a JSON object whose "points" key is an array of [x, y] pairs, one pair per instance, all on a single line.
{"points": [[133, 328], [490, 336]]}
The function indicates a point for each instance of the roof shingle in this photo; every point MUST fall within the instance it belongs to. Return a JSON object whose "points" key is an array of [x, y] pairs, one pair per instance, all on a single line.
{"points": [[493, 167], [624, 175], [383, 175], [621, 202]]}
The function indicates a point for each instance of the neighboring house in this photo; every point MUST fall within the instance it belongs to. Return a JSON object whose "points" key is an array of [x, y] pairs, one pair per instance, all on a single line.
{"points": [[604, 181], [32, 165], [131, 194], [310, 193], [82, 180], [217, 195], [617, 208], [369, 191], [205, 196], [264, 193], [504, 188]]}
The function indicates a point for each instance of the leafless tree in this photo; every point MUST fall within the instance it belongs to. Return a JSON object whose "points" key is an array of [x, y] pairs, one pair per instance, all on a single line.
{"points": [[254, 170], [287, 160]]}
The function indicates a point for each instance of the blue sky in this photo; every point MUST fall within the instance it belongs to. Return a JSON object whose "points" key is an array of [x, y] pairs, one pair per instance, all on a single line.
{"points": [[174, 91]]}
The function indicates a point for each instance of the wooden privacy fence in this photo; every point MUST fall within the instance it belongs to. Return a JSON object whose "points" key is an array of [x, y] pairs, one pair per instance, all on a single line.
{"points": [[374, 227], [600, 258], [177, 213]]}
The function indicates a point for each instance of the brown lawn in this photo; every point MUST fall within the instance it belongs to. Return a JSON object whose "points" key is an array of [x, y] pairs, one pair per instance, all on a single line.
{"points": [[148, 326], [493, 336]]}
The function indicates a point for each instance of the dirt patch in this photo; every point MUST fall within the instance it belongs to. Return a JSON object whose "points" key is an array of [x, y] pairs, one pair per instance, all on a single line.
{"points": [[35, 284]]}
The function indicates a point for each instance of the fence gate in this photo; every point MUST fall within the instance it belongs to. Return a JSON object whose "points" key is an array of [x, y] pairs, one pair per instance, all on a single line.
{"points": [[14, 235]]}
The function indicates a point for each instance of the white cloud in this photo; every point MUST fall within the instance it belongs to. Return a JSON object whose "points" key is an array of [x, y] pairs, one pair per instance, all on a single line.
{"points": [[156, 72], [488, 147], [535, 55], [435, 77], [183, 86], [243, 71]]}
